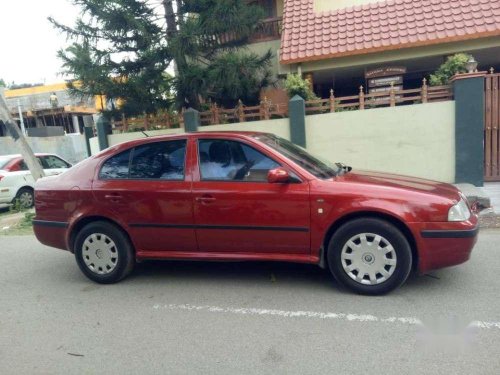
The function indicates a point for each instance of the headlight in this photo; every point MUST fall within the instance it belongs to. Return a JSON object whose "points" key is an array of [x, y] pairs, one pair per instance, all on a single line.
{"points": [[459, 212]]}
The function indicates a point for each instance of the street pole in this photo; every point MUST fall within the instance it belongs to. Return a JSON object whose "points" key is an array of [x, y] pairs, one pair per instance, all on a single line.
{"points": [[21, 116], [14, 131]]}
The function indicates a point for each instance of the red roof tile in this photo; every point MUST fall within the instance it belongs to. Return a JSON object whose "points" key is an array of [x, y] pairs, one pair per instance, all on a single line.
{"points": [[384, 25]]}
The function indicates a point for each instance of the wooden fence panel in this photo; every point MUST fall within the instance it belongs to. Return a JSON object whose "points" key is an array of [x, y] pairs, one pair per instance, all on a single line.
{"points": [[266, 110], [492, 128], [425, 94]]}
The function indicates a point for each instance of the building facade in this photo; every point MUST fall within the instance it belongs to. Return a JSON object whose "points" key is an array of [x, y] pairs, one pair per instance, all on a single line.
{"points": [[50, 110], [342, 44]]}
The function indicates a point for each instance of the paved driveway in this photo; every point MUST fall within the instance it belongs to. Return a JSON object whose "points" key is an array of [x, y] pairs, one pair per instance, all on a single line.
{"points": [[241, 318]]}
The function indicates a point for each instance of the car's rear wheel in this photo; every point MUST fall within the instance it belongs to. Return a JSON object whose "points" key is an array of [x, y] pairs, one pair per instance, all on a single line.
{"points": [[25, 198], [103, 252], [369, 256]]}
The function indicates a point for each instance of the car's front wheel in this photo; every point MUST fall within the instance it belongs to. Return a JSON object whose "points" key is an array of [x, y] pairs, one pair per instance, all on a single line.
{"points": [[369, 256], [103, 252]]}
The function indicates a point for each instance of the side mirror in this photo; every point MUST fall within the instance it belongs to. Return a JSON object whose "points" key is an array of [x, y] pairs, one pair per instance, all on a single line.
{"points": [[278, 175]]}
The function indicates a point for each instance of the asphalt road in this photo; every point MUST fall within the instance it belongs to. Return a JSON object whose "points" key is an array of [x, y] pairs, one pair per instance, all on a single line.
{"points": [[242, 318]]}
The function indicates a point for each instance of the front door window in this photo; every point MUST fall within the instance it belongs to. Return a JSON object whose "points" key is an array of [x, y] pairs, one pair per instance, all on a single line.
{"points": [[224, 160]]}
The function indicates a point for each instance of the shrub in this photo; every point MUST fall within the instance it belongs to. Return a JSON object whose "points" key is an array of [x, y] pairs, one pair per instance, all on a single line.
{"points": [[453, 65], [296, 85]]}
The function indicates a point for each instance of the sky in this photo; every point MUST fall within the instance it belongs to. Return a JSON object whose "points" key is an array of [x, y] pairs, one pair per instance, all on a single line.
{"points": [[30, 40]]}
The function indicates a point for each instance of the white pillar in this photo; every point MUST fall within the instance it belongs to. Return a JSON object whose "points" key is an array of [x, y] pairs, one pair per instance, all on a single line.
{"points": [[21, 117], [76, 126]]}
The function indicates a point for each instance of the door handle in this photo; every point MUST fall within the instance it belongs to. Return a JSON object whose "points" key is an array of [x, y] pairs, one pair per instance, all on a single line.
{"points": [[205, 199], [113, 197]]}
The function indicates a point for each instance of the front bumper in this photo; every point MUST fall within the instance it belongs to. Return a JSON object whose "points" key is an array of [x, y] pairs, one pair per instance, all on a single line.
{"points": [[445, 244]]}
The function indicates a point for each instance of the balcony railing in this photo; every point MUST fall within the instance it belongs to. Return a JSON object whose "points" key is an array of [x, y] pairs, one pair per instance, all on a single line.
{"points": [[268, 29]]}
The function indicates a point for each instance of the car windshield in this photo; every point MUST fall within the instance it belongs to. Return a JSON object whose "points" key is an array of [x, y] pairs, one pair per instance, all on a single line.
{"points": [[4, 161], [313, 164]]}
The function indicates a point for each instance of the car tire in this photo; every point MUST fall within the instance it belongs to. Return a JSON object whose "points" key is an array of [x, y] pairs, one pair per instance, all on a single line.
{"points": [[103, 252], [369, 256], [26, 198]]}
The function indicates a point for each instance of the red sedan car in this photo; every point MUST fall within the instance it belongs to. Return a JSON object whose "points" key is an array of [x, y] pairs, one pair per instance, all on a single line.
{"points": [[250, 196]]}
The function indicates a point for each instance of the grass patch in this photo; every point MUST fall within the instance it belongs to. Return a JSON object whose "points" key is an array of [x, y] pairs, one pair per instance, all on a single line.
{"points": [[12, 208], [27, 221], [23, 227]]}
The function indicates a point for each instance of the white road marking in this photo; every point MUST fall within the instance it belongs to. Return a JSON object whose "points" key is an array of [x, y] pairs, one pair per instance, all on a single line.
{"points": [[311, 315]]}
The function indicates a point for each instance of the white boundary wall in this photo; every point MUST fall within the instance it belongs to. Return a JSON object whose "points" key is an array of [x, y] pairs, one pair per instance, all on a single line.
{"points": [[417, 140], [279, 127]]}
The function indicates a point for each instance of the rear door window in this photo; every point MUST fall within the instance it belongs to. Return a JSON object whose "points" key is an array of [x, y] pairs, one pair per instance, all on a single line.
{"points": [[151, 161], [159, 160], [116, 167], [23, 166]]}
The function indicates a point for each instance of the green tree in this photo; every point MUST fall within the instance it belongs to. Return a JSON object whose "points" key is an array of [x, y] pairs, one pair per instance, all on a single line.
{"points": [[118, 50], [453, 65], [2, 83], [122, 49]]}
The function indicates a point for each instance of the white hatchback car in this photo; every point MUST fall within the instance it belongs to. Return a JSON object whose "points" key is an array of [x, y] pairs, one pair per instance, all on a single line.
{"points": [[16, 182]]}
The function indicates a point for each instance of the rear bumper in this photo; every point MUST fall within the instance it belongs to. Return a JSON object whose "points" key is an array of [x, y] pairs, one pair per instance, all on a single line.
{"points": [[51, 233], [445, 244], [7, 195]]}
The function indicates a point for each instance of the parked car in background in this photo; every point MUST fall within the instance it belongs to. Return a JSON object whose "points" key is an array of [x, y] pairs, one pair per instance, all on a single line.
{"points": [[16, 182], [250, 196]]}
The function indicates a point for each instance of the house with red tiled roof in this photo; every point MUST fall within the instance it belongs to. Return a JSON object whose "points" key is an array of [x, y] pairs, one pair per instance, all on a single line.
{"points": [[340, 43]]}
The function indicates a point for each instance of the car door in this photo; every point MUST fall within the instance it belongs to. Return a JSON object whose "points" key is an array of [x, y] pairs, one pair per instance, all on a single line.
{"points": [[237, 210], [148, 188]]}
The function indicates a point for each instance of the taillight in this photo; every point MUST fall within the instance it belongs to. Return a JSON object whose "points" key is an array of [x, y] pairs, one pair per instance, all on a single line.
{"points": [[1, 177]]}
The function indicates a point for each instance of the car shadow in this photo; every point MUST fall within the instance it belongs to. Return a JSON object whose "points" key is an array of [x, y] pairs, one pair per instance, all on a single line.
{"points": [[265, 273]]}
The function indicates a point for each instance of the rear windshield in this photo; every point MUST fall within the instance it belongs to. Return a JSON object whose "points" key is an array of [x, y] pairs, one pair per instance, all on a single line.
{"points": [[4, 161]]}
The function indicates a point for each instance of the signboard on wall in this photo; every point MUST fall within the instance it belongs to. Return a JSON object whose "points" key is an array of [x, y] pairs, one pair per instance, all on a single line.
{"points": [[384, 72], [385, 81], [381, 79], [382, 89]]}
